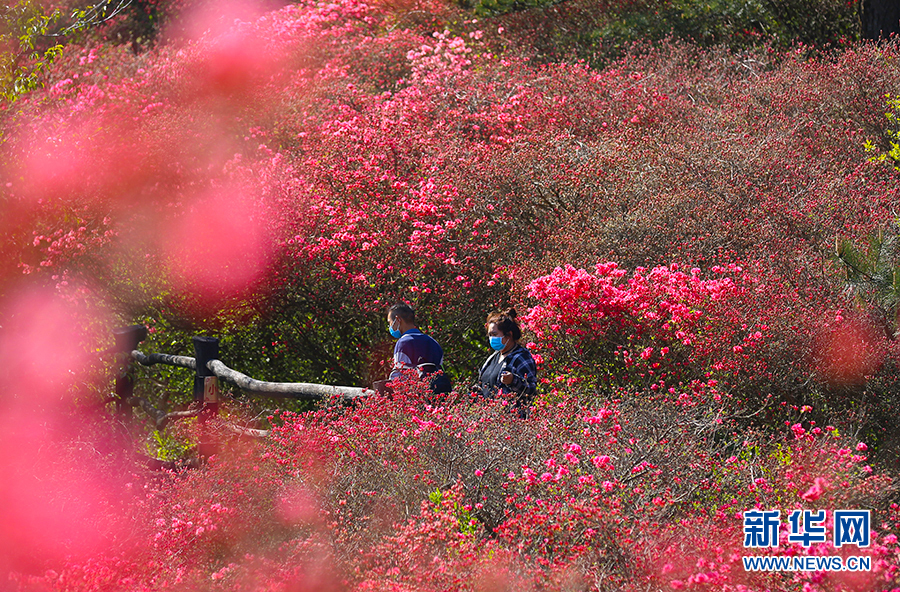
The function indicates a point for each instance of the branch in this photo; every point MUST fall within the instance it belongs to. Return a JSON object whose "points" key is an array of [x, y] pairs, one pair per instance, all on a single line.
{"points": [[158, 416], [161, 418], [93, 19]]}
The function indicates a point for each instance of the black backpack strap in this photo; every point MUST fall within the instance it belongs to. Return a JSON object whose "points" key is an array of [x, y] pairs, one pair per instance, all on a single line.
{"points": [[427, 368]]}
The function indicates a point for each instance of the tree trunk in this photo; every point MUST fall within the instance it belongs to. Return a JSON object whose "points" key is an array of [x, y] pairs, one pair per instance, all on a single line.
{"points": [[880, 18]]}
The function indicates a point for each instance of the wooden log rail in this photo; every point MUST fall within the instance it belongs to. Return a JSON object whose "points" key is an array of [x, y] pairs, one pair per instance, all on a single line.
{"points": [[208, 370], [299, 390], [165, 359]]}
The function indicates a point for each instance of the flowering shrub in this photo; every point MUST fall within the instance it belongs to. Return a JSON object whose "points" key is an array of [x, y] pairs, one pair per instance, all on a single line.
{"points": [[401, 493], [668, 331], [664, 329]]}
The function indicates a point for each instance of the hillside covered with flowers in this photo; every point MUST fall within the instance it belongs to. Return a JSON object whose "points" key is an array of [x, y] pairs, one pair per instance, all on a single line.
{"points": [[698, 222]]}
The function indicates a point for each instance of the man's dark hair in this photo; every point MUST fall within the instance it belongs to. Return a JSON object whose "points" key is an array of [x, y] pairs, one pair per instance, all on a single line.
{"points": [[404, 311]]}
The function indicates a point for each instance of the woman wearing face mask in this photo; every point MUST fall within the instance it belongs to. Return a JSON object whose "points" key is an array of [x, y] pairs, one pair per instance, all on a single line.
{"points": [[510, 371]]}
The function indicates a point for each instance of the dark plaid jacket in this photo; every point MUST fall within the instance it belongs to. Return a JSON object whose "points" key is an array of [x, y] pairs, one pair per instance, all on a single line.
{"points": [[521, 365]]}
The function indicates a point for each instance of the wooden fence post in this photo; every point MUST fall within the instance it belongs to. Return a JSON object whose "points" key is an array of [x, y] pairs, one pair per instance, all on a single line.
{"points": [[127, 340], [206, 391]]}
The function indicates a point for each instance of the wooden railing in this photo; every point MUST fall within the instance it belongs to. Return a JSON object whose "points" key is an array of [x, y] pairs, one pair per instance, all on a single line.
{"points": [[208, 370]]}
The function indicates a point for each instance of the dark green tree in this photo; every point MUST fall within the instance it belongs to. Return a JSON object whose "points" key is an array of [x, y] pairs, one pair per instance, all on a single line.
{"points": [[873, 275], [880, 18]]}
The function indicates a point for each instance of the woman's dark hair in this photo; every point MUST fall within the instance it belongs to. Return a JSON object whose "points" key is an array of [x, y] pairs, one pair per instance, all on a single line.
{"points": [[404, 311], [506, 322]]}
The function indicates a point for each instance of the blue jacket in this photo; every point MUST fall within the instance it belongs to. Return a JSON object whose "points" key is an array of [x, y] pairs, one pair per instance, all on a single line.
{"points": [[414, 349]]}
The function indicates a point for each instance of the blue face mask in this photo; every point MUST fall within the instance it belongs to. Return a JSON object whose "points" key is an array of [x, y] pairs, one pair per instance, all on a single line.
{"points": [[395, 333], [496, 342]]}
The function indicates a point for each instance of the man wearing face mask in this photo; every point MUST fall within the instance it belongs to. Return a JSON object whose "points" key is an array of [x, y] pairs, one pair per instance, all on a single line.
{"points": [[510, 371], [415, 350]]}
